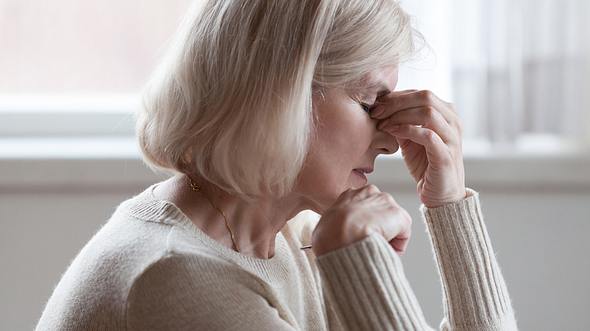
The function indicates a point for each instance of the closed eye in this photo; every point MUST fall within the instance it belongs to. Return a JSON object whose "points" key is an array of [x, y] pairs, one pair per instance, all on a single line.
{"points": [[366, 108]]}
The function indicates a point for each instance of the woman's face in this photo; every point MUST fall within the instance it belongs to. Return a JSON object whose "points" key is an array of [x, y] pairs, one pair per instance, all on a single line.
{"points": [[347, 139]]}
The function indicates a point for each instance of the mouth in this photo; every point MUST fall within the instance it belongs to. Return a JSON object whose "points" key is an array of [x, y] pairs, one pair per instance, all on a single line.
{"points": [[366, 170], [360, 173]]}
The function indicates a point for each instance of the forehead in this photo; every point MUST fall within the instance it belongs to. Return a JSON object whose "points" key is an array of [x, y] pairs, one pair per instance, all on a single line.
{"points": [[384, 77], [382, 81]]}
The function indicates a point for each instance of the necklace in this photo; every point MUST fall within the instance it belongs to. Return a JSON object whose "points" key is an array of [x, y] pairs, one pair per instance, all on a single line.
{"points": [[197, 188]]}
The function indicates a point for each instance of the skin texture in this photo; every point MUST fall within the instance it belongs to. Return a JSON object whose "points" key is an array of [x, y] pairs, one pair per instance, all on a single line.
{"points": [[348, 138]]}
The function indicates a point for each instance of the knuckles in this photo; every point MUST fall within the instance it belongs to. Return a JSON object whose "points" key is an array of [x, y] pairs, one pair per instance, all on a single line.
{"points": [[426, 95], [430, 135], [429, 114], [372, 188], [390, 199], [459, 127]]}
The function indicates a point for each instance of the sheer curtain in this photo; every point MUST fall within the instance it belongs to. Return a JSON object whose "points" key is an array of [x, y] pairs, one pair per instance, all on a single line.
{"points": [[518, 70]]}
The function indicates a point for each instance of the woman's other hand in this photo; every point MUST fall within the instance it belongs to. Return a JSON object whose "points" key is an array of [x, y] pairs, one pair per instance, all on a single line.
{"points": [[357, 213], [429, 134]]}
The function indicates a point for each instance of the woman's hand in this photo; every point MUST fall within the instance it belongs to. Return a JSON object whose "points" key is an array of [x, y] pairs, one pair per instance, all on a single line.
{"points": [[433, 152], [357, 213]]}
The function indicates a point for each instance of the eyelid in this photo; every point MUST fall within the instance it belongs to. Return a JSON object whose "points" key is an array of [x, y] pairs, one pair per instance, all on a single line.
{"points": [[366, 107], [369, 106]]}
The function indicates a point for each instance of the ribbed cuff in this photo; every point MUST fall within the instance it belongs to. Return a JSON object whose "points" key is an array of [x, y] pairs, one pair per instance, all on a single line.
{"points": [[365, 282], [475, 294]]}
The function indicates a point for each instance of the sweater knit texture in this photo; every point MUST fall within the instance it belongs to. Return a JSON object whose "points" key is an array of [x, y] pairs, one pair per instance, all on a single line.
{"points": [[150, 268]]}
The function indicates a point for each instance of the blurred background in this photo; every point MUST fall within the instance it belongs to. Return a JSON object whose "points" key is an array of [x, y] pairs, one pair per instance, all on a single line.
{"points": [[518, 72]]}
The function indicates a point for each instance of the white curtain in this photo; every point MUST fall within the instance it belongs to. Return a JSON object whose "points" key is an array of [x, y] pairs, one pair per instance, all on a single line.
{"points": [[516, 69], [524, 65]]}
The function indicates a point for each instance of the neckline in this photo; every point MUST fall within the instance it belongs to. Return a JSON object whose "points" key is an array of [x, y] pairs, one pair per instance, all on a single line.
{"points": [[173, 214]]}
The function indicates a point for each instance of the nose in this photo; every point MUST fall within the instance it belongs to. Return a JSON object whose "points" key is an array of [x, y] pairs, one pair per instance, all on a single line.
{"points": [[385, 143]]}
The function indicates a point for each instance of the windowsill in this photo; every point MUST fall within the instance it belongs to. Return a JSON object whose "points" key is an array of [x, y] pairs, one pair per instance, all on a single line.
{"points": [[114, 163], [45, 148]]}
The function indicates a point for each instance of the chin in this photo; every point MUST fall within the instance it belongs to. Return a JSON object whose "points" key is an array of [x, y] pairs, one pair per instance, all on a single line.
{"points": [[326, 195]]}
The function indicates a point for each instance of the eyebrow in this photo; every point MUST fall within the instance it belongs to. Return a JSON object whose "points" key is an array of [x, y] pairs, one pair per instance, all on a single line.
{"points": [[374, 86]]}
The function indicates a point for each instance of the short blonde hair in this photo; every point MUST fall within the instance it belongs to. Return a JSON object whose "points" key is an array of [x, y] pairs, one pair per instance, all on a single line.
{"points": [[232, 99]]}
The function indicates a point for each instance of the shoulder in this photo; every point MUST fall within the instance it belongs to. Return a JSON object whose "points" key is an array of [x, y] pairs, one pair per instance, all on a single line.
{"points": [[199, 290], [91, 292], [197, 269]]}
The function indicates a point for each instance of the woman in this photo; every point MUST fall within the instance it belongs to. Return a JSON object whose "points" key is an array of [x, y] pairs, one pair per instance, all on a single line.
{"points": [[262, 110]]}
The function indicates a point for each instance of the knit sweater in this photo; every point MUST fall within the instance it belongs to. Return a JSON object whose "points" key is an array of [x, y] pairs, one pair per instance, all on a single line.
{"points": [[150, 268]]}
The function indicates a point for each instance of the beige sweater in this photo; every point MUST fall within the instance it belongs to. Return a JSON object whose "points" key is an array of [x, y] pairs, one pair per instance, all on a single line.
{"points": [[150, 268]]}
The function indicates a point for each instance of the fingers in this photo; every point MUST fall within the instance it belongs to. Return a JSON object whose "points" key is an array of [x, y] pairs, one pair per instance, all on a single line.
{"points": [[368, 190], [399, 228], [371, 188], [360, 193], [395, 94], [397, 101], [400, 242], [436, 150], [427, 117], [396, 228]]}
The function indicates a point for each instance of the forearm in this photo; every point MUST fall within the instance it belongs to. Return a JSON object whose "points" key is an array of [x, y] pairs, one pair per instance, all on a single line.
{"points": [[366, 285], [475, 294]]}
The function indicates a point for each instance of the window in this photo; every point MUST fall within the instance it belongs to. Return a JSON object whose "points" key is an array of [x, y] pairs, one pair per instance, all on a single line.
{"points": [[517, 71], [74, 68]]}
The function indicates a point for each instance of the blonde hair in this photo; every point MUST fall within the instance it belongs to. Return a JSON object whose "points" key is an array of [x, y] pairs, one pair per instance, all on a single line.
{"points": [[231, 100]]}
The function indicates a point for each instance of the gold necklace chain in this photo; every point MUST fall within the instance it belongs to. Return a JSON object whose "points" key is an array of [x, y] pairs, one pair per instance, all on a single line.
{"points": [[197, 188]]}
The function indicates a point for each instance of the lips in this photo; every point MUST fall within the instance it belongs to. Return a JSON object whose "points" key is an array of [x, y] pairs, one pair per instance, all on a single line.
{"points": [[359, 172], [366, 170]]}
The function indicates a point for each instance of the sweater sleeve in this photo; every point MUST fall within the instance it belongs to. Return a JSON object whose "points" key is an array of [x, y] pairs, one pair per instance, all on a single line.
{"points": [[367, 287]]}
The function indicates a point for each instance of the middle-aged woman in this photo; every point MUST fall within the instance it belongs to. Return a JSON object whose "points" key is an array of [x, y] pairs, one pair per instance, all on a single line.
{"points": [[268, 113]]}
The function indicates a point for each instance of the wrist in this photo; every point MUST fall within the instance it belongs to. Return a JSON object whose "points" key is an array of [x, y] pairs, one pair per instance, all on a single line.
{"points": [[465, 194]]}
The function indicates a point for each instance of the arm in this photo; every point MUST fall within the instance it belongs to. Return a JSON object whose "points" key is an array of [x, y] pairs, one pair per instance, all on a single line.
{"points": [[475, 294], [366, 285]]}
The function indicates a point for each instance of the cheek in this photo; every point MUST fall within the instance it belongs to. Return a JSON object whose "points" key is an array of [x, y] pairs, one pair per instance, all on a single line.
{"points": [[347, 141], [340, 145], [345, 130], [335, 152]]}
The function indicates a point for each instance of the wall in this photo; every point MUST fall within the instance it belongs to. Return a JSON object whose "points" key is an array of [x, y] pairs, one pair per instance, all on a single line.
{"points": [[536, 210]]}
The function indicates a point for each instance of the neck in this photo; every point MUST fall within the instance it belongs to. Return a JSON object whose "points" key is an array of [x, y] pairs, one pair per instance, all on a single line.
{"points": [[254, 225]]}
